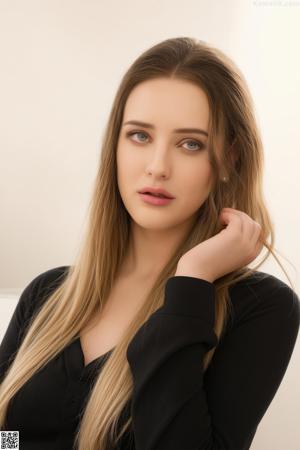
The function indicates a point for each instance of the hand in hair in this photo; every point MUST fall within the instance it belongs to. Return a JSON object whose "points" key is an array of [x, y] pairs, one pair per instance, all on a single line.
{"points": [[232, 248]]}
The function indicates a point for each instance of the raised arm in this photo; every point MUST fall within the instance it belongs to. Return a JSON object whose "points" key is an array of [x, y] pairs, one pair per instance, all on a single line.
{"points": [[175, 405]]}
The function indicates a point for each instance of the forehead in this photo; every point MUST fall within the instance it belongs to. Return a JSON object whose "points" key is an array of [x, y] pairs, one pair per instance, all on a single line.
{"points": [[168, 103]]}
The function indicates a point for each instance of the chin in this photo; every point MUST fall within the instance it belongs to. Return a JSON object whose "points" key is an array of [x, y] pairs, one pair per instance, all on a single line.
{"points": [[154, 222]]}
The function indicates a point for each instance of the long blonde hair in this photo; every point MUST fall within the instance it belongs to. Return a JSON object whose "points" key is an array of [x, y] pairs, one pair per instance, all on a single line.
{"points": [[89, 280]]}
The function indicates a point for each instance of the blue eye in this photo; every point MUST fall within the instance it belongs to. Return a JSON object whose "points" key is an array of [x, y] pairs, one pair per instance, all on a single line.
{"points": [[136, 132], [201, 146]]}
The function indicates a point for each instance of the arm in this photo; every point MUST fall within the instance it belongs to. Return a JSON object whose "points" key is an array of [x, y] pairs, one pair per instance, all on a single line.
{"points": [[175, 406], [30, 299], [16, 327]]}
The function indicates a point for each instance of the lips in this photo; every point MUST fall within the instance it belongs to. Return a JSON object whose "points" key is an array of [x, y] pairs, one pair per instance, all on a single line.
{"points": [[155, 195], [156, 192], [155, 200]]}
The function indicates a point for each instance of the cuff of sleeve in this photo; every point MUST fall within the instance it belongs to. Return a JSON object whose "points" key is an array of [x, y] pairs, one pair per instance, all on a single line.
{"points": [[190, 296]]}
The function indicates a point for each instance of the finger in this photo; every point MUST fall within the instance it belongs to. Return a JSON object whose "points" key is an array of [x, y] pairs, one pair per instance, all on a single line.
{"points": [[249, 226], [257, 230], [233, 221], [257, 235], [258, 247], [255, 244], [246, 228], [233, 210], [252, 231]]}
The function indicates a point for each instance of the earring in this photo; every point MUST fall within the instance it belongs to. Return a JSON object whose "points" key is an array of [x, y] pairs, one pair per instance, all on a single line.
{"points": [[224, 179]]}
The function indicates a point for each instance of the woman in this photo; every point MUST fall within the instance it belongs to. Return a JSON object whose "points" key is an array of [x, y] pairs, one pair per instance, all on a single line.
{"points": [[159, 336]]}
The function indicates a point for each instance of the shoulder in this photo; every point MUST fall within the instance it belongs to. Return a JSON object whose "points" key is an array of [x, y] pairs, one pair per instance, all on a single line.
{"points": [[38, 289], [50, 278], [264, 294], [47, 280]]}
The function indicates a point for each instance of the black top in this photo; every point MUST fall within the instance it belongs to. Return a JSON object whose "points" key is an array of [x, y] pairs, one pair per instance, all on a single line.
{"points": [[174, 405]]}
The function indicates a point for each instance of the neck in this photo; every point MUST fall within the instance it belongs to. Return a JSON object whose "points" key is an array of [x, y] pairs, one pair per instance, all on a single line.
{"points": [[149, 250]]}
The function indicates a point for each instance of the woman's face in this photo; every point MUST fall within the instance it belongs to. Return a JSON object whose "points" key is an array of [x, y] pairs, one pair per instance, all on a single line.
{"points": [[160, 157]]}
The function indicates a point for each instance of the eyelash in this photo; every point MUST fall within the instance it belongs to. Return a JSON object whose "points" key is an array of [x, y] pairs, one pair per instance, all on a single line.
{"points": [[200, 144]]}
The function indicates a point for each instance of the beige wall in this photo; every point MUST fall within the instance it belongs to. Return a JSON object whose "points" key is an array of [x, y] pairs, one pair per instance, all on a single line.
{"points": [[61, 62]]}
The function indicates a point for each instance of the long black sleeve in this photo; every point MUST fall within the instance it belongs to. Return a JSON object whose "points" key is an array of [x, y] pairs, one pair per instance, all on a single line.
{"points": [[30, 299], [14, 332], [176, 405]]}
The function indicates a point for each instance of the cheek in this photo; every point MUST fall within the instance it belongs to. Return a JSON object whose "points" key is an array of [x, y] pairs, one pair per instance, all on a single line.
{"points": [[128, 172], [196, 182], [127, 162]]}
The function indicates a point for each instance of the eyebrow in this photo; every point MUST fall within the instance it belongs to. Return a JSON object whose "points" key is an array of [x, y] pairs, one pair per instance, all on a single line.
{"points": [[177, 130]]}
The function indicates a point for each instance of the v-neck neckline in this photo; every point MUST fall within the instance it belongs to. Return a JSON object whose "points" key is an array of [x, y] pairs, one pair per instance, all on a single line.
{"points": [[74, 361], [94, 361]]}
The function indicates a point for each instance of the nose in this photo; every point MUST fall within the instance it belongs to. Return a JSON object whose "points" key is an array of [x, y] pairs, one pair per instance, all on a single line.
{"points": [[159, 164]]}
